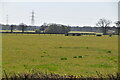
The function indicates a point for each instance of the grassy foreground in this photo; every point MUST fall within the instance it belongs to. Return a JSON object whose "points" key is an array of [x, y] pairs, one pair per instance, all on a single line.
{"points": [[71, 55]]}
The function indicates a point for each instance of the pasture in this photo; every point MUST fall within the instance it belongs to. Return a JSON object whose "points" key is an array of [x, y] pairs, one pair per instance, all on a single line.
{"points": [[76, 55]]}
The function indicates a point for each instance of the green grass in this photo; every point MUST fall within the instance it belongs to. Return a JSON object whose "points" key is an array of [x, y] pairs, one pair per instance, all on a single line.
{"points": [[26, 52]]}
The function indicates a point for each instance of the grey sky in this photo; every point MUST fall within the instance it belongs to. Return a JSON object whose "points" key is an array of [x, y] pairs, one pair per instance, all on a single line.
{"points": [[68, 13], [59, 0]]}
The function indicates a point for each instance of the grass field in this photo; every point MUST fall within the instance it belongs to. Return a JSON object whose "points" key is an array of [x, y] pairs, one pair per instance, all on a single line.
{"points": [[60, 54]]}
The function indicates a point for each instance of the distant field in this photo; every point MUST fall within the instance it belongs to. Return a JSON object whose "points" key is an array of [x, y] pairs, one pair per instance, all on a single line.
{"points": [[14, 31], [60, 54]]}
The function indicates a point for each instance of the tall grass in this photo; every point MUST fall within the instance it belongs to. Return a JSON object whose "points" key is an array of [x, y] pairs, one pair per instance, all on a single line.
{"points": [[54, 76]]}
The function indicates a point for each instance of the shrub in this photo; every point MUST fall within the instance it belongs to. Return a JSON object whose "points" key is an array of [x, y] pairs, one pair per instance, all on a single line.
{"points": [[108, 51], [60, 47], [80, 56], [98, 35], [44, 52], [86, 47], [64, 58], [75, 57], [110, 35], [42, 56]]}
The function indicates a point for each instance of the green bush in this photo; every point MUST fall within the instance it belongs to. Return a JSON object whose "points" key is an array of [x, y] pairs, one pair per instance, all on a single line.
{"points": [[44, 52], [80, 56], [86, 47], [60, 47], [64, 58], [75, 57], [42, 56], [109, 51]]}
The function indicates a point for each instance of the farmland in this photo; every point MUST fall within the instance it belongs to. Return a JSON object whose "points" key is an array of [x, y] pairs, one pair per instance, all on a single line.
{"points": [[60, 54]]}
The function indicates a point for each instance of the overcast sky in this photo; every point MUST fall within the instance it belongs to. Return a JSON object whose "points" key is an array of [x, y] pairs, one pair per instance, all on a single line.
{"points": [[68, 13]]}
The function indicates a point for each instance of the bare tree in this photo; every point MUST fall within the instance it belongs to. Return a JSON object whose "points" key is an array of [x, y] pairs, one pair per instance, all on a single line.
{"points": [[42, 28], [104, 23], [117, 23], [11, 26], [118, 26], [23, 26]]}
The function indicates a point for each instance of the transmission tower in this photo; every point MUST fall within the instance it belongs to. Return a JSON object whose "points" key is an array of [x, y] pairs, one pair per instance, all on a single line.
{"points": [[6, 19], [32, 19]]}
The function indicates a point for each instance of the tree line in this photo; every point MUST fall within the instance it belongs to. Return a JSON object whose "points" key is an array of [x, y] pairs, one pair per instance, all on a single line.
{"points": [[53, 28]]}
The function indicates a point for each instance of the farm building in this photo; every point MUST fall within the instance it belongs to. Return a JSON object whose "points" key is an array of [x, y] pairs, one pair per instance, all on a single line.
{"points": [[78, 33]]}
